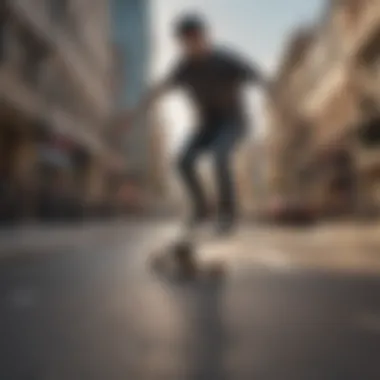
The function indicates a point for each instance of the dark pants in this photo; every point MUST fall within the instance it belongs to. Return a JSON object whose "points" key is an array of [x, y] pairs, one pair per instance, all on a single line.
{"points": [[219, 138]]}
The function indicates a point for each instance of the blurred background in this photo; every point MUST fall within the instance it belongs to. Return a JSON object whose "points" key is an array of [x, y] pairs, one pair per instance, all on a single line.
{"points": [[70, 70], [82, 207]]}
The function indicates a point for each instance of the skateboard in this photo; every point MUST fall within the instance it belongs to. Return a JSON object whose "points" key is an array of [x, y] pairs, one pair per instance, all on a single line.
{"points": [[178, 260]]}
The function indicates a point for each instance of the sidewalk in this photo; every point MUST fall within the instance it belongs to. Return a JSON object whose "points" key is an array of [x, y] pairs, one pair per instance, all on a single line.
{"points": [[33, 238], [345, 248], [336, 246]]}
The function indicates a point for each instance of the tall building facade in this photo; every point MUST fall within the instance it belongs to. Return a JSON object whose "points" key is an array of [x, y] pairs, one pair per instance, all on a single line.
{"points": [[144, 141], [340, 102], [55, 65], [342, 106], [131, 36], [287, 126]]}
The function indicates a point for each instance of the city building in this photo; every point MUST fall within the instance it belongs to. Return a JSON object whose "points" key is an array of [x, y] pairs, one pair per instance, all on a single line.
{"points": [[288, 129], [366, 54], [339, 104], [130, 28], [330, 102], [144, 141], [55, 62]]}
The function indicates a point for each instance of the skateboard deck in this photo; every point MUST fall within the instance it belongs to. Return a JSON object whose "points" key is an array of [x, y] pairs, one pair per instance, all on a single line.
{"points": [[179, 258]]}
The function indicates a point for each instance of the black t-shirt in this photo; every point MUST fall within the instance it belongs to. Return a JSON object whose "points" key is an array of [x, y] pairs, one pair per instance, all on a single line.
{"points": [[214, 83]]}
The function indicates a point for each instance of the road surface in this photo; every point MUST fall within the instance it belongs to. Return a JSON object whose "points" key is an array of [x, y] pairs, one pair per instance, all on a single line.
{"points": [[86, 307]]}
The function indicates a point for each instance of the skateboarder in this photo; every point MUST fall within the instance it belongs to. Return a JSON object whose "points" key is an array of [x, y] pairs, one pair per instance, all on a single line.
{"points": [[214, 79]]}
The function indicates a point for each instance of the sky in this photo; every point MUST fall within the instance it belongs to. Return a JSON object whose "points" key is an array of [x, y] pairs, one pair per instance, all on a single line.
{"points": [[258, 29]]}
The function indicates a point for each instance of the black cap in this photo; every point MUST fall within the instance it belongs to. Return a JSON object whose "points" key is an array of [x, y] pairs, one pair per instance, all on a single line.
{"points": [[189, 24]]}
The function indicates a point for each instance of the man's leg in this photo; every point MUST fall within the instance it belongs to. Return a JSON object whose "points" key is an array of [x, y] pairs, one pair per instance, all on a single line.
{"points": [[187, 169], [222, 148]]}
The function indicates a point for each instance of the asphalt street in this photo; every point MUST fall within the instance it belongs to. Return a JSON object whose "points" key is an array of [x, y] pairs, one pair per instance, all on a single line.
{"points": [[92, 310]]}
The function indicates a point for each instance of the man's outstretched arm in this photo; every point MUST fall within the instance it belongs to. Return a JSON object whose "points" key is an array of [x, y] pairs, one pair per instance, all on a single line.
{"points": [[172, 80], [260, 79], [145, 104], [251, 73], [151, 98], [129, 117]]}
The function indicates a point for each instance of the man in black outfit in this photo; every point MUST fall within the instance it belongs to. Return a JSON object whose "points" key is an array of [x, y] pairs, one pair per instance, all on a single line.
{"points": [[214, 79]]}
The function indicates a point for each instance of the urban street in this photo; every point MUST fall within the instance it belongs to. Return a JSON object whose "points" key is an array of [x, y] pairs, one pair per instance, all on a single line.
{"points": [[82, 303], [107, 111]]}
